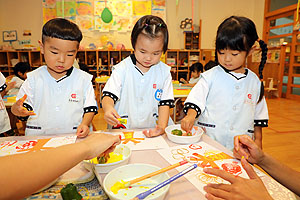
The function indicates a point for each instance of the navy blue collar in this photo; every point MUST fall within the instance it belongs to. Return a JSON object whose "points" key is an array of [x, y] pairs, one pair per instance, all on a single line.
{"points": [[228, 71], [67, 74]]}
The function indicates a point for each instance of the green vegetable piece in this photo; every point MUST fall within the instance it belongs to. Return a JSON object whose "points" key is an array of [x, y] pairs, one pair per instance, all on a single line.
{"points": [[103, 159], [69, 192], [176, 132], [189, 134]]}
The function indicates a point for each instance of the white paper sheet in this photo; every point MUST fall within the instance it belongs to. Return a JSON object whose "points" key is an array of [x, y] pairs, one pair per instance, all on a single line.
{"points": [[136, 140], [23, 146], [206, 156]]}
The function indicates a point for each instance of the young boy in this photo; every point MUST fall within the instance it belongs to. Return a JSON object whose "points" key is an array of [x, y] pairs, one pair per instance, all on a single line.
{"points": [[61, 96], [20, 70], [195, 69]]}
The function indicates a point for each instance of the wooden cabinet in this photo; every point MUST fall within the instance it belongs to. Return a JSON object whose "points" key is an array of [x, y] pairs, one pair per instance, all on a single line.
{"points": [[181, 61], [98, 61], [4, 63], [101, 61], [192, 40], [7, 59]]}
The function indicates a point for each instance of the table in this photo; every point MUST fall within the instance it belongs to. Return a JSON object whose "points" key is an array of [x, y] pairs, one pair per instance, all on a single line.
{"points": [[179, 92], [271, 91], [182, 188]]}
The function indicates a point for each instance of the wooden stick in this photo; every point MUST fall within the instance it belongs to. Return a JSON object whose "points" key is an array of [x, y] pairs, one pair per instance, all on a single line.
{"points": [[157, 172]]}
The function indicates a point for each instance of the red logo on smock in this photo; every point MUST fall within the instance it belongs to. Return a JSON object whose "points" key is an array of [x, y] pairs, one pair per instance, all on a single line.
{"points": [[73, 96], [154, 86], [249, 96]]}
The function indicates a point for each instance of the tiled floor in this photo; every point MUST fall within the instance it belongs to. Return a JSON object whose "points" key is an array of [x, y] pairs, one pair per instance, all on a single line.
{"points": [[281, 139]]}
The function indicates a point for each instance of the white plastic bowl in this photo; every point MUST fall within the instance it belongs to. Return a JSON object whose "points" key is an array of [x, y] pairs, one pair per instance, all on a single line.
{"points": [[120, 149], [130, 172], [195, 137]]}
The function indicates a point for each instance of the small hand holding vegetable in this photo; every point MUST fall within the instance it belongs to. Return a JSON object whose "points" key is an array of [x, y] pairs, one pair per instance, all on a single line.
{"points": [[111, 116]]}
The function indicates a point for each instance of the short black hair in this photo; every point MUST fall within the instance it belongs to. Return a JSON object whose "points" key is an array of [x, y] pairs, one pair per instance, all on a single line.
{"points": [[22, 67], [150, 26], [62, 29], [209, 65], [196, 67]]}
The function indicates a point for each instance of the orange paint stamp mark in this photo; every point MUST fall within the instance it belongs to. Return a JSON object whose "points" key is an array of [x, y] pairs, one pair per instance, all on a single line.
{"points": [[129, 138]]}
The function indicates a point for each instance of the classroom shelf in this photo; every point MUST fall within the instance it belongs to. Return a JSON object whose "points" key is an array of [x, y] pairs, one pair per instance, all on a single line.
{"points": [[181, 60], [101, 61]]}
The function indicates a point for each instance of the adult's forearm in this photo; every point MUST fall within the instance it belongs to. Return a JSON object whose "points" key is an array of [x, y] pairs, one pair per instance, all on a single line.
{"points": [[30, 172], [282, 173]]}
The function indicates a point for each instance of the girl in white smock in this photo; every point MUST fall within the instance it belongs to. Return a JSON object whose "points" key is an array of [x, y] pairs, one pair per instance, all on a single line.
{"points": [[139, 92], [228, 99]]}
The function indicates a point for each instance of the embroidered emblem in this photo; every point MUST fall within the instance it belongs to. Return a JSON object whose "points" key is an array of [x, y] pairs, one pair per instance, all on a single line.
{"points": [[158, 94], [249, 96], [74, 98]]}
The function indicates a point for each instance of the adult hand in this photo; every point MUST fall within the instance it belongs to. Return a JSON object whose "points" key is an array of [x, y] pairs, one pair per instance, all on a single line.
{"points": [[154, 132], [239, 188], [99, 143], [82, 130], [18, 109], [245, 146], [111, 116]]}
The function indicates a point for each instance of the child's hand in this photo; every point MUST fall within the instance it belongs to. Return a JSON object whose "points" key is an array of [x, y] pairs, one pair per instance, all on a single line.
{"points": [[154, 132], [111, 117], [82, 130], [100, 143], [183, 80], [245, 146], [187, 123], [18, 109], [10, 85]]}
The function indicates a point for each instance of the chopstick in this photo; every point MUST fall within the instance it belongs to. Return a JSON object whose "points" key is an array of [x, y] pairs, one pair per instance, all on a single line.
{"points": [[122, 185], [157, 172], [166, 182]]}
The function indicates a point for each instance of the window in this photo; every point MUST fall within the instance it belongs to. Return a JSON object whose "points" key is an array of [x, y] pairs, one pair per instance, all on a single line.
{"points": [[277, 4]]}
